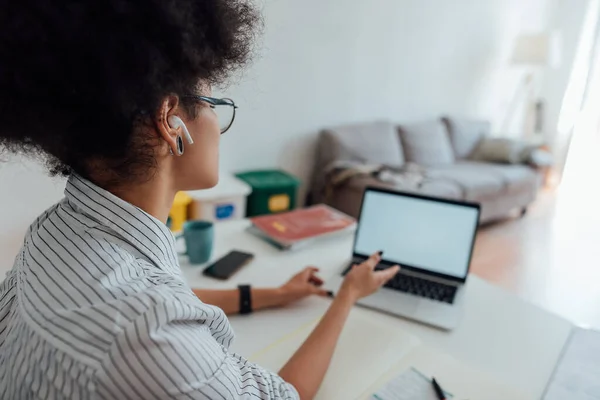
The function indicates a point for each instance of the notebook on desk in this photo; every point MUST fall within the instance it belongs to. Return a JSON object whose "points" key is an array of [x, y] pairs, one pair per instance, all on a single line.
{"points": [[357, 372], [294, 229]]}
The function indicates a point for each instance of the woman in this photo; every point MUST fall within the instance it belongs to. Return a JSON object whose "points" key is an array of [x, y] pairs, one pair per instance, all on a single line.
{"points": [[116, 94]]}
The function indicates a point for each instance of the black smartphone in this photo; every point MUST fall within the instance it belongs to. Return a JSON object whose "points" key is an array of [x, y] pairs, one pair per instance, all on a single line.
{"points": [[228, 265]]}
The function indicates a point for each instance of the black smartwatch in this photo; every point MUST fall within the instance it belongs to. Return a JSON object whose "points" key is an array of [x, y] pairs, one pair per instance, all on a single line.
{"points": [[245, 299]]}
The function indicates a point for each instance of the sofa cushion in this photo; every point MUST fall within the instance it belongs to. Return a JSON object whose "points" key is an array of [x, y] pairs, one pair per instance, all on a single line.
{"points": [[441, 188], [499, 188], [426, 143], [515, 177], [476, 184], [465, 134], [374, 142], [480, 181]]}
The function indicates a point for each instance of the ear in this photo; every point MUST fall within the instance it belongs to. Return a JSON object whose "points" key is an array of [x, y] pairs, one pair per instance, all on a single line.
{"points": [[168, 107]]}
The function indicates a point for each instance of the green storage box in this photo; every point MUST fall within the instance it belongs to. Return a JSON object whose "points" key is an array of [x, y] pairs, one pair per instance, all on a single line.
{"points": [[273, 191]]}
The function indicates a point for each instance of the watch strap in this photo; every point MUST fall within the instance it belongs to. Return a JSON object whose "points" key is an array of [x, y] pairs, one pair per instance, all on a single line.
{"points": [[245, 299]]}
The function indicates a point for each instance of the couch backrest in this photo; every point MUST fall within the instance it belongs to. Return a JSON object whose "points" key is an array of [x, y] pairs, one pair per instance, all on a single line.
{"points": [[434, 142], [465, 134], [372, 142], [426, 143]]}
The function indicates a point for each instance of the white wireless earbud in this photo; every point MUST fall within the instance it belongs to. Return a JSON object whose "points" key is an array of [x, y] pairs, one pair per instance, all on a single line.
{"points": [[176, 122]]}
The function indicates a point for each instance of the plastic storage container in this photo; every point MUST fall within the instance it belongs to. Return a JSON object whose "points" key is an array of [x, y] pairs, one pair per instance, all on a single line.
{"points": [[178, 214], [273, 191], [224, 202]]}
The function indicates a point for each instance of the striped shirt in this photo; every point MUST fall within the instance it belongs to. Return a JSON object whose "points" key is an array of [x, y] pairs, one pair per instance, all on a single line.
{"points": [[95, 307]]}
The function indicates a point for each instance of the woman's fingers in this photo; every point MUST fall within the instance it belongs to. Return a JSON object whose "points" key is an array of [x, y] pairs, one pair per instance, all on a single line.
{"points": [[315, 280], [320, 292], [373, 260], [309, 274], [385, 275]]}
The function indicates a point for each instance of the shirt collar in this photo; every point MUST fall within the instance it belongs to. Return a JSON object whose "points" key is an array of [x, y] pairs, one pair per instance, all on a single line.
{"points": [[147, 234]]}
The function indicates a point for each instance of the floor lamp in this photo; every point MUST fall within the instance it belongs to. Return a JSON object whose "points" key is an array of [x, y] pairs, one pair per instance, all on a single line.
{"points": [[534, 51]]}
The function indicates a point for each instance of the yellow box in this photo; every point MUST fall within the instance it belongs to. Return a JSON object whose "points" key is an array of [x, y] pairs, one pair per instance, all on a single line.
{"points": [[178, 213]]}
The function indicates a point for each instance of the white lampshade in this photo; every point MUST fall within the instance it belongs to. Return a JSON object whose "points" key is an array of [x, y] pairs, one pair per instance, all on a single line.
{"points": [[540, 49]]}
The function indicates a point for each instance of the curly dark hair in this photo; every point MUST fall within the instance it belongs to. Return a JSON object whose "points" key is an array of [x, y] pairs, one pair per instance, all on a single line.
{"points": [[78, 76]]}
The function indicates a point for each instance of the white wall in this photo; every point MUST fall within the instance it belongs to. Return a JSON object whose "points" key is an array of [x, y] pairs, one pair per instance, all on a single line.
{"points": [[327, 62], [339, 61], [25, 191], [568, 20]]}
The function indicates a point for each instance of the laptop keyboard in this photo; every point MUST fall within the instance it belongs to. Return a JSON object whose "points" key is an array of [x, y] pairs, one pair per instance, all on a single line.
{"points": [[421, 287]]}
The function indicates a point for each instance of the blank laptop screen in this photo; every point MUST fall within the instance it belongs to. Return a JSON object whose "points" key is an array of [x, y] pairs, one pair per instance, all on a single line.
{"points": [[418, 233]]}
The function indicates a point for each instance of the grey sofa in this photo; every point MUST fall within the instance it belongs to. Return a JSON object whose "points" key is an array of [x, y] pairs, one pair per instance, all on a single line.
{"points": [[443, 148]]}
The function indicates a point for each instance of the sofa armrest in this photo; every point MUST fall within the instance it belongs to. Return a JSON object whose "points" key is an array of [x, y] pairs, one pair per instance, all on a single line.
{"points": [[540, 159]]}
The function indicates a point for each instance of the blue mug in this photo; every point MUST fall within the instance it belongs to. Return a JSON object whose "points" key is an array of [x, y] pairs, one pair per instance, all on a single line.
{"points": [[199, 237]]}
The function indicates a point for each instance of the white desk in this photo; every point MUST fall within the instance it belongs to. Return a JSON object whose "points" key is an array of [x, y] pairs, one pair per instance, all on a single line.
{"points": [[500, 334]]}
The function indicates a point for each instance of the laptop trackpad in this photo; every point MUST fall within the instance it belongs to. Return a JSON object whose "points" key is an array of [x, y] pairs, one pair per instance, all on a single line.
{"points": [[392, 301]]}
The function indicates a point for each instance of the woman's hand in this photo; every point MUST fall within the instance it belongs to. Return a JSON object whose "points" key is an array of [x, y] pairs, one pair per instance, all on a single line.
{"points": [[307, 367], [363, 280], [301, 285]]}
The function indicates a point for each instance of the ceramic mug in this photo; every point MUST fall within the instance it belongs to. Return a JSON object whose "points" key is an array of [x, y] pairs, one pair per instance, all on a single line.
{"points": [[199, 238]]}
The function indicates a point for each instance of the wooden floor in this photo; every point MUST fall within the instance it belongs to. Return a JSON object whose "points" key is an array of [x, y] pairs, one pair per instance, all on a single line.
{"points": [[551, 256]]}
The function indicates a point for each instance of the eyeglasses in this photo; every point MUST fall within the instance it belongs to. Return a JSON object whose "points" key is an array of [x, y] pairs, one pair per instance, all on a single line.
{"points": [[224, 108]]}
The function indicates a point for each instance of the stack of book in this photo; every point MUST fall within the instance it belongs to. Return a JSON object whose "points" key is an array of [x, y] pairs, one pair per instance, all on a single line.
{"points": [[298, 228]]}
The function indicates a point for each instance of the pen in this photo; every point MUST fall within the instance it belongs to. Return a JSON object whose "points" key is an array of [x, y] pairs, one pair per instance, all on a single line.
{"points": [[438, 390]]}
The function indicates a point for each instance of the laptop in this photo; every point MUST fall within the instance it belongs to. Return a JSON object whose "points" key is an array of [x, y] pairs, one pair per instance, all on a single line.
{"points": [[431, 238]]}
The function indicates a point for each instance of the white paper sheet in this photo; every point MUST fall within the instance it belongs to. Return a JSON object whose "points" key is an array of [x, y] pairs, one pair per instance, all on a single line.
{"points": [[410, 385], [577, 376]]}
